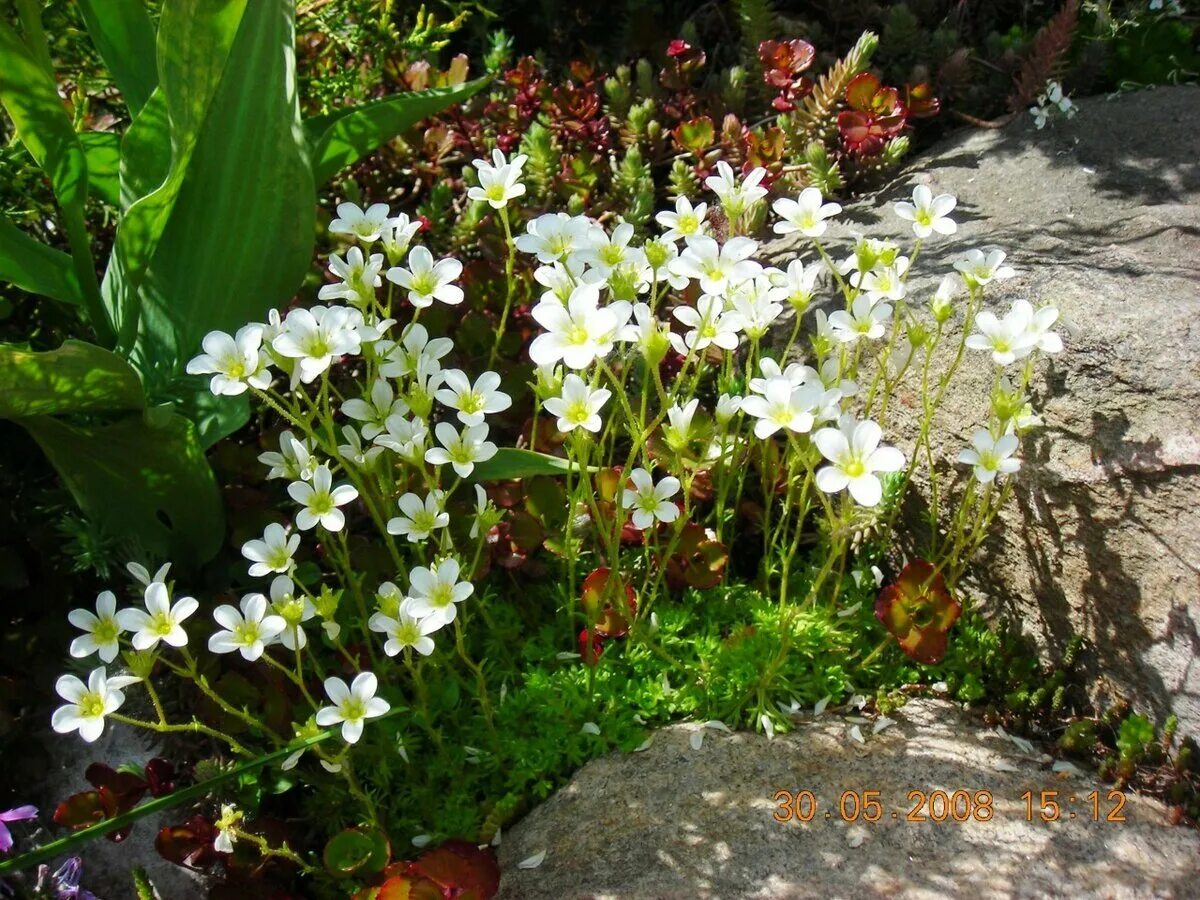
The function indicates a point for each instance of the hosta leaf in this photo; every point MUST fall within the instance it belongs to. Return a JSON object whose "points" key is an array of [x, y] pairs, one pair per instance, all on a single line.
{"points": [[512, 462], [150, 487], [124, 36], [32, 266], [75, 378], [345, 136]]}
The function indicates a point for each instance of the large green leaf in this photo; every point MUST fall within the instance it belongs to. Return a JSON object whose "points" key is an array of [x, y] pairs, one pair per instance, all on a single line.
{"points": [[75, 378], [512, 462], [103, 152], [34, 267], [345, 136], [124, 36], [148, 486]]}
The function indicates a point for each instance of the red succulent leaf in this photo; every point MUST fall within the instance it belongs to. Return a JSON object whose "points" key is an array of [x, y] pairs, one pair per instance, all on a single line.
{"points": [[918, 610], [591, 646], [921, 101], [460, 869], [86, 808], [126, 787], [188, 844], [678, 47], [160, 775], [860, 133], [860, 92], [601, 598]]}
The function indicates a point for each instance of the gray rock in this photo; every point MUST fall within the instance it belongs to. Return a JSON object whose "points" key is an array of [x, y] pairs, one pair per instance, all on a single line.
{"points": [[677, 823], [1100, 215]]}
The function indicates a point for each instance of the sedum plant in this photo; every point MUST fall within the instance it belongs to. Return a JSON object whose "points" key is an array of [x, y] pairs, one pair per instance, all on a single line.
{"points": [[712, 419]]}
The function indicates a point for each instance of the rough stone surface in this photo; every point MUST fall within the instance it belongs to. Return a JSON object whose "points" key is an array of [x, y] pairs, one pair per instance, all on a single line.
{"points": [[1100, 215], [677, 823]]}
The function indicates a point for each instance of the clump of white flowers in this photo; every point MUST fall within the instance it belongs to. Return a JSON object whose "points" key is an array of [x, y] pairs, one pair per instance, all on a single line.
{"points": [[1051, 102]]}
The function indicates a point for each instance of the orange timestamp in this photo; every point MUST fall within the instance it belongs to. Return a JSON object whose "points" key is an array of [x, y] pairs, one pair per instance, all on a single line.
{"points": [[958, 806]]}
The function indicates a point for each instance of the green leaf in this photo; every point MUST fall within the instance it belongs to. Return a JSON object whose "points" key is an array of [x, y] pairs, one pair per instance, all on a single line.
{"points": [[75, 378], [124, 36], [512, 462], [32, 266], [103, 152], [149, 486], [345, 136]]}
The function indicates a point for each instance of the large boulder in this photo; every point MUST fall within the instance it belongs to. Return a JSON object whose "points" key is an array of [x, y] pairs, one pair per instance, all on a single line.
{"points": [[1100, 215], [681, 822]]}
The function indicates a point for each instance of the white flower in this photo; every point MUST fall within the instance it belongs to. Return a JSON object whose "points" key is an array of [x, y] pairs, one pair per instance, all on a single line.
{"points": [[855, 456], [88, 704], [980, 268], [374, 410], [426, 280], [498, 180], [397, 234], [159, 621], [1041, 115], [578, 406], [727, 407], [755, 306], [293, 610], [235, 363], [715, 266], [991, 456], [365, 225], [406, 630], [353, 704], [707, 324], [553, 236], [927, 212], [421, 517], [229, 820], [357, 277], [575, 333], [1008, 339], [142, 575], [473, 402], [864, 320], [404, 437], [484, 512], [463, 450], [941, 305], [605, 253], [678, 430], [650, 502], [795, 374], [1038, 329], [320, 500], [248, 629], [273, 553], [806, 214], [101, 629], [798, 284], [294, 459], [736, 197], [414, 350], [685, 222], [783, 405], [315, 338], [885, 282], [435, 592]]}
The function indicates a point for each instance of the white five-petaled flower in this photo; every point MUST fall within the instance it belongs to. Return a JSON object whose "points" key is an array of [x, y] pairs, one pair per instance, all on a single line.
{"points": [[1040, 322], [436, 591], [293, 460], [316, 337], [1008, 339], [248, 629], [397, 234], [406, 630], [797, 283], [576, 333], [855, 456], [472, 402], [717, 266], [405, 437], [426, 280], [783, 405], [806, 214], [678, 428], [686, 221], [420, 517], [727, 407], [415, 350], [927, 212], [273, 552], [319, 500], [649, 502], [226, 826], [234, 362], [101, 629], [885, 282], [736, 196], [366, 225], [498, 180], [553, 236], [88, 704], [707, 324], [373, 410], [864, 320], [605, 252], [353, 704], [461, 450], [578, 406], [160, 620], [991, 456], [358, 277], [294, 610], [980, 268]]}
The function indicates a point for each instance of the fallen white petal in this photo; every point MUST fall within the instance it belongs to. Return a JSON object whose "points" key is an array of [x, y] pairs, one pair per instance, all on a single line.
{"points": [[1003, 765], [589, 728], [1064, 767], [532, 862], [849, 611], [718, 725], [821, 704], [421, 840], [857, 734], [644, 745], [881, 723], [696, 739]]}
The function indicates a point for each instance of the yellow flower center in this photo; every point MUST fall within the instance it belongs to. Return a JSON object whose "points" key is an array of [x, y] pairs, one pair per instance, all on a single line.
{"points": [[91, 705]]}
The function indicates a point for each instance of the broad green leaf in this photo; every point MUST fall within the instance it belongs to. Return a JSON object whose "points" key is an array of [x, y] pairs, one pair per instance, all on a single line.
{"points": [[124, 36], [215, 417], [34, 267], [512, 462], [145, 151], [345, 136], [103, 152], [151, 487], [75, 378]]}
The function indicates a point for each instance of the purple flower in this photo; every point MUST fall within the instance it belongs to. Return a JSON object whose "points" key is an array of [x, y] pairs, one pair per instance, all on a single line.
{"points": [[64, 882], [18, 814]]}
